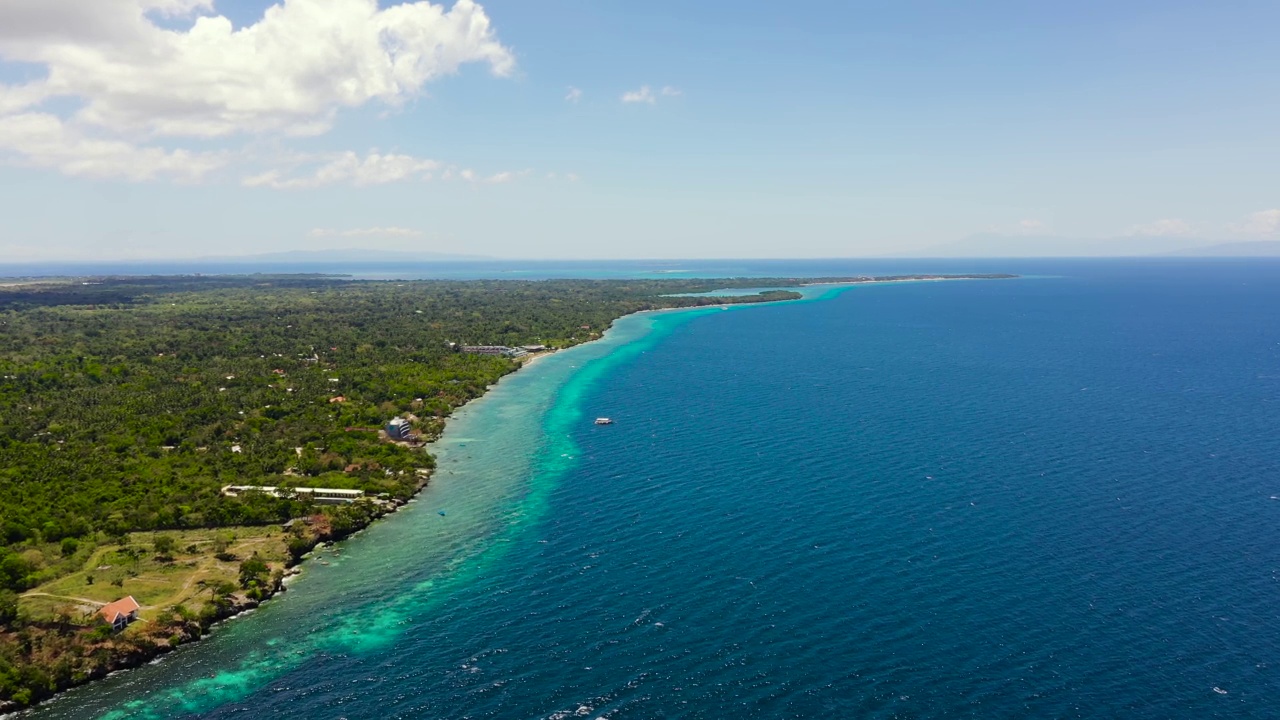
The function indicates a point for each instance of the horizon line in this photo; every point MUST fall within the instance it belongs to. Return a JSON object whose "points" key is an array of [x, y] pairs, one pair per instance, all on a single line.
{"points": [[250, 260]]}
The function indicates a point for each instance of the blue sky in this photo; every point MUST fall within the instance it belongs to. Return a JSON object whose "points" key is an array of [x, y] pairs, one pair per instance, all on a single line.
{"points": [[821, 129]]}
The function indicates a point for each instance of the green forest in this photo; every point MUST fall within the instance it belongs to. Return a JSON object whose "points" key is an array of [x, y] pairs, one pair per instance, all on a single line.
{"points": [[126, 404]]}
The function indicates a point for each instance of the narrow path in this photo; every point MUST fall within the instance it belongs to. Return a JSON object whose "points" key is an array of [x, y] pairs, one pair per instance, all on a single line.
{"points": [[87, 601]]}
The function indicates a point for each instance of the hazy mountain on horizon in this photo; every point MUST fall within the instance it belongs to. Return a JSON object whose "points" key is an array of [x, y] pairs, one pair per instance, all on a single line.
{"points": [[1251, 248], [992, 245]]}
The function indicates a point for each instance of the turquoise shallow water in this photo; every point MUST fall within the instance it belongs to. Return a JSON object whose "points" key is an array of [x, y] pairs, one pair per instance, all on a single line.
{"points": [[1050, 497]]}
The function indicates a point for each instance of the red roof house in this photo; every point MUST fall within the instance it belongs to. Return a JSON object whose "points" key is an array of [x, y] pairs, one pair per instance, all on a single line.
{"points": [[120, 613]]}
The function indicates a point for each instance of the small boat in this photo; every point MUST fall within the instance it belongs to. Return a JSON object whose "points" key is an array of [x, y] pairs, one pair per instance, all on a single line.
{"points": [[604, 421]]}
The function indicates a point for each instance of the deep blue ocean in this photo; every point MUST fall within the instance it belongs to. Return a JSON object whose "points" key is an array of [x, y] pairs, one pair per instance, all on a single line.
{"points": [[1053, 497]]}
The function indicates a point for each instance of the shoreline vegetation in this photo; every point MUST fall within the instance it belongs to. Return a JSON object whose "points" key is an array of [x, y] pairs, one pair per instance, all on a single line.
{"points": [[128, 404]]}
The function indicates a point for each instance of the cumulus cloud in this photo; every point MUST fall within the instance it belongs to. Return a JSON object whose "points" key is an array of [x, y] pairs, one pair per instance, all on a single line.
{"points": [[42, 140], [14, 99], [390, 231], [1032, 226], [574, 95], [289, 72], [132, 78], [1168, 227], [471, 176], [1263, 222], [374, 168], [506, 176], [347, 167], [643, 95], [647, 96]]}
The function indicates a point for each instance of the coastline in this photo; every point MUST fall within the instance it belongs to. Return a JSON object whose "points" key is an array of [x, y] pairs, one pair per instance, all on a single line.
{"points": [[238, 604], [532, 358], [440, 447], [297, 565], [524, 425], [294, 567]]}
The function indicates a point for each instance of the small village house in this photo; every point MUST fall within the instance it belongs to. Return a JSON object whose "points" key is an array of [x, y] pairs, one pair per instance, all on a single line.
{"points": [[120, 613]]}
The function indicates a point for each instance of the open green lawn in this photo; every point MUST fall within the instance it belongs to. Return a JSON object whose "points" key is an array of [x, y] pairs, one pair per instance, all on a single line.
{"points": [[111, 572]]}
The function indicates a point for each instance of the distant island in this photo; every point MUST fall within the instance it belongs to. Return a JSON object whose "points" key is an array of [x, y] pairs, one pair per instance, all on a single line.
{"points": [[173, 446]]}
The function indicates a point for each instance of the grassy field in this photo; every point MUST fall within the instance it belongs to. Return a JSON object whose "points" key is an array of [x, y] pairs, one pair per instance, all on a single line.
{"points": [[198, 560], [184, 582]]}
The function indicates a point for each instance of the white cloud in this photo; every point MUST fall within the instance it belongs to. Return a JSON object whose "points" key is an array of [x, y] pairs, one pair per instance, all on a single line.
{"points": [[574, 95], [289, 73], [647, 96], [390, 231], [14, 99], [506, 176], [1263, 222], [1032, 226], [42, 140], [475, 178], [346, 168], [312, 171], [643, 95], [1168, 227]]}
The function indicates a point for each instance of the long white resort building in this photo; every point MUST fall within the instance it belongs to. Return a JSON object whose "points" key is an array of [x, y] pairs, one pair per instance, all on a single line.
{"points": [[324, 496]]}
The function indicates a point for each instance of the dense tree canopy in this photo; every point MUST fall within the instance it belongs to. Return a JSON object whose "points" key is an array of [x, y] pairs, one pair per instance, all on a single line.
{"points": [[126, 404]]}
